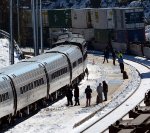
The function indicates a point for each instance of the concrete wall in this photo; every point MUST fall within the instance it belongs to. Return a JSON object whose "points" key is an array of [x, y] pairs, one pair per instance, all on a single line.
{"points": [[135, 49], [146, 51], [99, 46], [119, 46]]}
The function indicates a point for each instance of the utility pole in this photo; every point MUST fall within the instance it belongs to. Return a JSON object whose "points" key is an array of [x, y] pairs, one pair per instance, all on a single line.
{"points": [[41, 27], [37, 26], [11, 46], [18, 21], [34, 27]]}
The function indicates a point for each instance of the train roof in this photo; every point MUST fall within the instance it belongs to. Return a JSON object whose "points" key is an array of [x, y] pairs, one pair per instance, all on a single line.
{"points": [[71, 38], [64, 48], [44, 58], [19, 68]]}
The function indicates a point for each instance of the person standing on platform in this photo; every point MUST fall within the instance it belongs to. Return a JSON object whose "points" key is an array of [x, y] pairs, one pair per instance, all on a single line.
{"points": [[76, 95], [69, 96], [88, 92], [114, 57], [121, 62], [105, 89], [99, 90], [106, 55]]}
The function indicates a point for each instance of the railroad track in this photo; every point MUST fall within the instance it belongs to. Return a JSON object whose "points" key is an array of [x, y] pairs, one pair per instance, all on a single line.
{"points": [[103, 121]]}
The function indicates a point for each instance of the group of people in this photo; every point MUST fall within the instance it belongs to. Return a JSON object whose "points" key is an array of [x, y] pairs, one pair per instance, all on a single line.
{"points": [[69, 95], [115, 54], [106, 55], [101, 89]]}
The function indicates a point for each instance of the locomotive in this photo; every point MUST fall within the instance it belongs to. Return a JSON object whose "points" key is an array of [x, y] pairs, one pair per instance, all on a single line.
{"points": [[45, 77]]}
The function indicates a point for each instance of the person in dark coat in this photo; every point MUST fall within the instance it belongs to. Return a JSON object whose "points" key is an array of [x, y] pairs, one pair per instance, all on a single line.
{"points": [[76, 95], [106, 55], [69, 96], [105, 90], [88, 92], [114, 57]]}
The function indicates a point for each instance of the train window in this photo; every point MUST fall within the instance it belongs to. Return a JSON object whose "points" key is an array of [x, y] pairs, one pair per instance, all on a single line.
{"points": [[29, 88], [80, 61], [31, 85], [0, 98], [4, 97], [41, 81], [52, 76], [36, 83], [64, 70], [59, 73], [21, 90], [24, 89], [74, 64]]}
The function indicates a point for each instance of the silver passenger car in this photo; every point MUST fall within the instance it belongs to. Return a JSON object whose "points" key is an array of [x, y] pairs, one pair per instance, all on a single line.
{"points": [[57, 69], [74, 39], [6, 96], [29, 81], [75, 56]]}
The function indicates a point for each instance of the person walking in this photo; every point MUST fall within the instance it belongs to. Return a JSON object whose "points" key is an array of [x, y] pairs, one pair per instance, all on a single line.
{"points": [[99, 98], [88, 92], [106, 55], [87, 72], [69, 96], [76, 95], [105, 89], [121, 62]]}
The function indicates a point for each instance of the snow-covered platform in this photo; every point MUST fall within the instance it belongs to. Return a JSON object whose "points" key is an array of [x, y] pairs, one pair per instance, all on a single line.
{"points": [[59, 117]]}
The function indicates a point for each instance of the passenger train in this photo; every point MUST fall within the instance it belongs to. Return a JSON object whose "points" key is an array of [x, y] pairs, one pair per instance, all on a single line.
{"points": [[45, 77]]}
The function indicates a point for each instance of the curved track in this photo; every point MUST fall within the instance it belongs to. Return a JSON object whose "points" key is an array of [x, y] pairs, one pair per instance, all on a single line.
{"points": [[104, 121]]}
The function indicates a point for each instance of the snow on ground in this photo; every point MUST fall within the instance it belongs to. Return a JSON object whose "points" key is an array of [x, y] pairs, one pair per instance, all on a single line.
{"points": [[4, 54], [59, 117]]}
